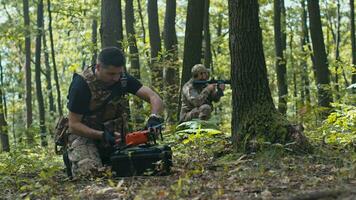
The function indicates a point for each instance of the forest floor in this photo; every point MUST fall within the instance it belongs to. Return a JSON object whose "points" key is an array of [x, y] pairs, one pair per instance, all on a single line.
{"points": [[204, 168]]}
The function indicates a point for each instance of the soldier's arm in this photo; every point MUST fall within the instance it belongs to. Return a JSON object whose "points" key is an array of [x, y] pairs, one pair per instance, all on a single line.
{"points": [[78, 128], [195, 98], [151, 97]]}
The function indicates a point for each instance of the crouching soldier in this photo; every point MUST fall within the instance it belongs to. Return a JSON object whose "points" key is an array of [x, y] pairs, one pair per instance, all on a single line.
{"points": [[197, 98], [97, 111]]}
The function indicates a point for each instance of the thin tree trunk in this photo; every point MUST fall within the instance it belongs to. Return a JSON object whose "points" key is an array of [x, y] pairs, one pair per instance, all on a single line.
{"points": [[55, 73], [207, 41], [337, 51], [321, 62], [155, 44], [304, 42], [3, 97], [353, 38], [4, 137], [142, 21], [280, 43], [111, 30], [52, 108], [94, 41], [133, 56], [255, 119], [172, 69], [41, 109], [192, 41], [28, 66]]}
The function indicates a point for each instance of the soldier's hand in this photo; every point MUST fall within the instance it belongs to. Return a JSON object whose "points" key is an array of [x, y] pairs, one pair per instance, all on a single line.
{"points": [[108, 138], [154, 123], [222, 86], [211, 87]]}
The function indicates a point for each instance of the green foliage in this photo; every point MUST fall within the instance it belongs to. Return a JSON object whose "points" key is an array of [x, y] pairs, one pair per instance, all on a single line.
{"points": [[30, 172], [339, 128]]}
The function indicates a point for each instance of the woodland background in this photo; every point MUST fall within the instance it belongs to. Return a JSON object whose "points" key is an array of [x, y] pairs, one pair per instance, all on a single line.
{"points": [[309, 58]]}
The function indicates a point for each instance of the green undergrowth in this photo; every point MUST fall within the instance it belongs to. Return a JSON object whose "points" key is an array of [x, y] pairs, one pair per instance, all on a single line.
{"points": [[205, 166]]}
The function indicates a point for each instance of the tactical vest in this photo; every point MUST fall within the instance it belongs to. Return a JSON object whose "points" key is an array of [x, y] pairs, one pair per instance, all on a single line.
{"points": [[112, 116]]}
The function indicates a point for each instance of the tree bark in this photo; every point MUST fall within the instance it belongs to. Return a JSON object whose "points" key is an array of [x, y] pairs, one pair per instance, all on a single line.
{"points": [[41, 109], [321, 62], [55, 73], [111, 30], [280, 47], [4, 137], [133, 56], [51, 106], [193, 41], [207, 41], [141, 20], [155, 44], [337, 50], [28, 66], [305, 92], [94, 41], [353, 38], [255, 119], [172, 70]]}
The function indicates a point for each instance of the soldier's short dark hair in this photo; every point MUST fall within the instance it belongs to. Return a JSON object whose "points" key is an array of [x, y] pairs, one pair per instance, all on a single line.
{"points": [[111, 56]]}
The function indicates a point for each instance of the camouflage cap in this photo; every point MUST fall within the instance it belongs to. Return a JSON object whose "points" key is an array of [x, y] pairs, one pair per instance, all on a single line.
{"points": [[199, 68]]}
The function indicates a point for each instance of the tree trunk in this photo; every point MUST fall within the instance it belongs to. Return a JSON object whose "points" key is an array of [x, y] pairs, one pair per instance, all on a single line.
{"points": [[4, 137], [321, 62], [41, 109], [172, 70], [305, 92], [55, 73], [141, 20], [255, 119], [193, 40], [133, 56], [337, 51], [30, 138], [94, 41], [207, 41], [52, 108], [155, 44], [3, 97], [111, 23], [353, 38], [280, 43]]}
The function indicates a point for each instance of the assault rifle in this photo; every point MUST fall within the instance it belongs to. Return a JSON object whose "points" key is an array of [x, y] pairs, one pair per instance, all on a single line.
{"points": [[213, 81]]}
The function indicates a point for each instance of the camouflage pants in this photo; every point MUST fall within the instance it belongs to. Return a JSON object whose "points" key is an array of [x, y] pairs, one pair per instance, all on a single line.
{"points": [[203, 112], [83, 155]]}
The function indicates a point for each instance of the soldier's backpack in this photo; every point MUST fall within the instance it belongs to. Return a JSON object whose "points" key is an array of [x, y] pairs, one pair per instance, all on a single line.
{"points": [[142, 160]]}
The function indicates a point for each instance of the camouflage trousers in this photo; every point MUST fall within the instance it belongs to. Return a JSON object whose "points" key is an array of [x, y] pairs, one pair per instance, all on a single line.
{"points": [[84, 155], [203, 112]]}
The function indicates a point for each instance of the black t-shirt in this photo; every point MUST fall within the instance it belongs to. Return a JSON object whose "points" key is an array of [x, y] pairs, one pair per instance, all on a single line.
{"points": [[79, 94]]}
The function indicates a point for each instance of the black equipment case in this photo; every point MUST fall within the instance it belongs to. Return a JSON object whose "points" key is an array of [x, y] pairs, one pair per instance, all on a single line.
{"points": [[142, 160]]}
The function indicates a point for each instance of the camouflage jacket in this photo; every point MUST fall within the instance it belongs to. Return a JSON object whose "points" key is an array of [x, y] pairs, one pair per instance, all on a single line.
{"points": [[193, 96], [113, 115]]}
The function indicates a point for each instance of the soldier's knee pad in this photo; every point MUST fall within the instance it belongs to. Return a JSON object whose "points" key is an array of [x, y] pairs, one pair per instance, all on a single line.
{"points": [[205, 108]]}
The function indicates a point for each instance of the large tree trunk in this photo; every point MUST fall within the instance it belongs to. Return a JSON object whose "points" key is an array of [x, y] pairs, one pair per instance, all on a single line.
{"points": [[133, 56], [4, 137], [52, 108], [55, 73], [280, 47], [353, 38], [305, 92], [207, 41], [94, 41], [192, 41], [27, 33], [172, 70], [155, 44], [111, 23], [41, 109], [255, 119], [321, 62]]}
